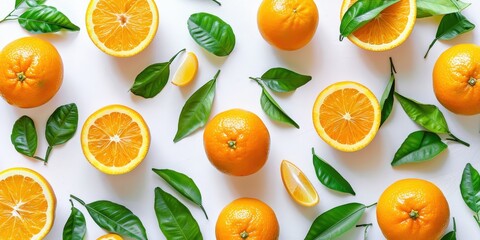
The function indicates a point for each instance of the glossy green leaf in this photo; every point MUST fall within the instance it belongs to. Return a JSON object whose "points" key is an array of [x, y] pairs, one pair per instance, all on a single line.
{"points": [[283, 80], [18, 3], [452, 235], [336, 221], [428, 8], [329, 177], [418, 147], [183, 184], [62, 124], [153, 79], [45, 19], [34, 3], [115, 218], [386, 102], [451, 26], [211, 33], [174, 219], [273, 110], [196, 110], [75, 227], [361, 13], [24, 136], [470, 187]]}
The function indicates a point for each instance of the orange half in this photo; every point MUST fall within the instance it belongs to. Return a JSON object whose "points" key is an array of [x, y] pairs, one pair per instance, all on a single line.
{"points": [[298, 185]]}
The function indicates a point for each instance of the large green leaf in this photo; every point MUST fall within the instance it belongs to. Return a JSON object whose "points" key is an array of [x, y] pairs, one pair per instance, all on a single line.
{"points": [[24, 136], [273, 110], [329, 177], [470, 187], [45, 19], [62, 124], [283, 80], [428, 8], [211, 33], [75, 227], [418, 147]]}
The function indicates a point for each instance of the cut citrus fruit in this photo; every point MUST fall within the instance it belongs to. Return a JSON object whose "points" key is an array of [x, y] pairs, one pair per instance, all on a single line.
{"points": [[186, 71], [298, 185], [115, 139], [388, 30], [346, 115], [122, 28], [27, 205], [110, 236]]}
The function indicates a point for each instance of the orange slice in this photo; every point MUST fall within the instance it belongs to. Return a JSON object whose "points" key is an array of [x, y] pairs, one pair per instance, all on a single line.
{"points": [[115, 139], [186, 71], [346, 115], [390, 29], [122, 28], [110, 236], [298, 185], [27, 205]]}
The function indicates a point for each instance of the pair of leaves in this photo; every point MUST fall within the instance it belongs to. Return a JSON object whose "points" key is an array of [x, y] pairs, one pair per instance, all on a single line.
{"points": [[211, 33], [75, 227], [428, 8], [114, 218], [329, 177], [470, 189], [60, 127], [197, 109]]}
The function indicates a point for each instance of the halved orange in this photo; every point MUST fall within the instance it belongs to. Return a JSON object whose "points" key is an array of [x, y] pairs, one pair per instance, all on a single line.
{"points": [[186, 71], [27, 205], [122, 28], [298, 185], [388, 30], [115, 139], [110, 236], [346, 115]]}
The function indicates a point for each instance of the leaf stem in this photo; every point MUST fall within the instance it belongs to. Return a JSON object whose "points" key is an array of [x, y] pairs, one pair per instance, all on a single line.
{"points": [[77, 199], [430, 47], [367, 225], [455, 139], [258, 81], [39, 158], [9, 15], [369, 206], [205, 212], [174, 56], [47, 154], [216, 75], [219, 3], [392, 67]]}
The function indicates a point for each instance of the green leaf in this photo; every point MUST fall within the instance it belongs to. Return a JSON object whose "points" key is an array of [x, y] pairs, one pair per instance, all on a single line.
{"points": [[451, 26], [34, 3], [153, 79], [18, 3], [329, 177], [24, 136], [62, 124], [470, 187], [336, 221], [273, 110], [115, 218], [428, 8], [418, 147], [45, 19], [196, 110], [174, 219], [211, 33], [283, 80], [183, 184], [75, 227], [426, 115], [361, 13], [453, 234], [386, 102]]}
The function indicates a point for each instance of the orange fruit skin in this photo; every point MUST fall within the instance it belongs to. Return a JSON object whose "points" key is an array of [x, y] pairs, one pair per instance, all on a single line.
{"points": [[31, 72], [247, 216], [455, 79], [246, 132], [287, 24], [397, 202]]}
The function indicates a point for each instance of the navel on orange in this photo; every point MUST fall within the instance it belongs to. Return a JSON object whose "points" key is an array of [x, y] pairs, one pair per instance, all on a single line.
{"points": [[27, 205], [298, 185], [115, 139], [122, 28], [110, 236], [388, 30], [346, 115]]}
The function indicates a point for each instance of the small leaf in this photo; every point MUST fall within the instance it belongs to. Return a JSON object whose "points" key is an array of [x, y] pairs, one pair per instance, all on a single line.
{"points": [[174, 219], [361, 13], [24, 136], [153, 79], [62, 124], [386, 102], [329, 177], [428, 8], [34, 3], [45, 19], [284, 80], [453, 234], [75, 227], [183, 184], [418, 147], [336, 221], [196, 110], [211, 33], [470, 187], [273, 110]]}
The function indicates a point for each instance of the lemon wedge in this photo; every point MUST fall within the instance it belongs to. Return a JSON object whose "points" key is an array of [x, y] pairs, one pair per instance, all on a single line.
{"points": [[186, 71]]}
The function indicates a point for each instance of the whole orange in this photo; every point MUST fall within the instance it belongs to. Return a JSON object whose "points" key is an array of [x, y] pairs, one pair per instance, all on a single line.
{"points": [[237, 142], [412, 209], [456, 77], [287, 24], [247, 219], [31, 72]]}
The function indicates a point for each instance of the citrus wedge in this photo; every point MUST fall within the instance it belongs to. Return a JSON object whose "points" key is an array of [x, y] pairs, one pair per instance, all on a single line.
{"points": [[27, 205], [388, 30], [298, 185], [122, 28], [186, 71], [110, 236], [115, 139], [346, 115]]}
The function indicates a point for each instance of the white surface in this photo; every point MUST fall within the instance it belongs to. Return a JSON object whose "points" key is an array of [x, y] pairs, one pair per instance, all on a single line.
{"points": [[94, 79]]}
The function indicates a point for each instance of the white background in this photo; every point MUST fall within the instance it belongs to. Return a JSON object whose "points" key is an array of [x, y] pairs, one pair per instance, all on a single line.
{"points": [[93, 79]]}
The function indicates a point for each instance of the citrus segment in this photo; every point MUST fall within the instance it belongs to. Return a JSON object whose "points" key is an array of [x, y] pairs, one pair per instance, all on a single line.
{"points": [[186, 71], [346, 115], [298, 185], [122, 28], [27, 205], [115, 139], [110, 236]]}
